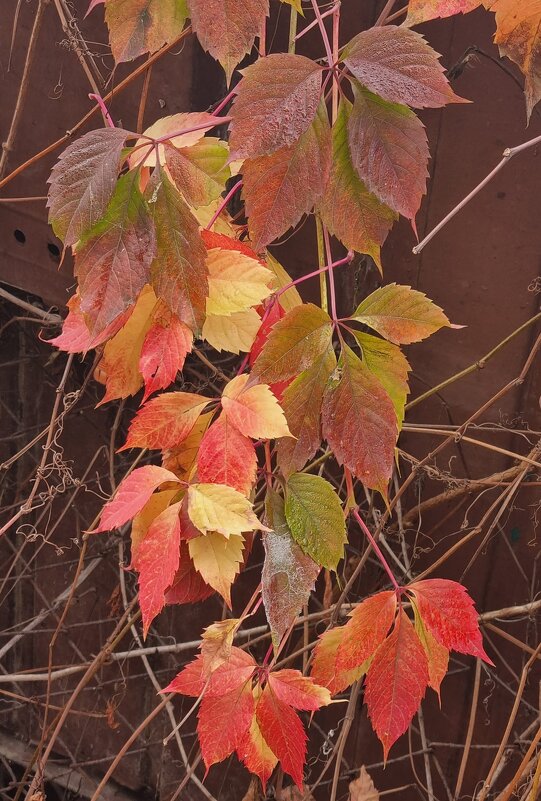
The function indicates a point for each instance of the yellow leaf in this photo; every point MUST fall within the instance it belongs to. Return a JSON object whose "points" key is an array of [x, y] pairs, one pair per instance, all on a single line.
{"points": [[216, 643], [218, 560], [255, 412], [236, 281], [222, 225], [290, 298], [119, 367], [167, 125], [233, 333], [219, 508], [142, 521]]}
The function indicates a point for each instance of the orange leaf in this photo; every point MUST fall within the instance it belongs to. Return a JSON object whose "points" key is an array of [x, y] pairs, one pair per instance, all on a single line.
{"points": [[254, 751], [253, 410], [324, 667], [165, 421], [188, 586], [423, 10], [366, 629]]}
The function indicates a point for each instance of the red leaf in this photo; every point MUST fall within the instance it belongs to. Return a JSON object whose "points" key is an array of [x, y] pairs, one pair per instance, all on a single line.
{"points": [[293, 344], [227, 457], [228, 30], [179, 273], [298, 691], [436, 654], [283, 731], [188, 586], [223, 722], [164, 350], [82, 182], [396, 682], [389, 150], [165, 421], [214, 240], [348, 209], [276, 101], [272, 316], [359, 423], [112, 262], [156, 560], [273, 200], [228, 676], [132, 494], [366, 629], [448, 612], [75, 336], [400, 66]]}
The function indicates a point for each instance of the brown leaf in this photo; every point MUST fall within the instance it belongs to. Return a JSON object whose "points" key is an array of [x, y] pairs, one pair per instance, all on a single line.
{"points": [[362, 788]]}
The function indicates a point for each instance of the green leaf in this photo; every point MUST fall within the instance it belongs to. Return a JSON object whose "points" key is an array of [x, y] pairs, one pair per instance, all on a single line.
{"points": [[301, 403], [271, 183], [315, 517], [179, 272], [348, 209], [400, 314], [293, 344], [112, 261], [359, 422], [200, 172], [389, 150], [390, 366]]}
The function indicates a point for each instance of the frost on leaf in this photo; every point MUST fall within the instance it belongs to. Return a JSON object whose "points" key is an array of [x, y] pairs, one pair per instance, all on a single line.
{"points": [[288, 575], [276, 102]]}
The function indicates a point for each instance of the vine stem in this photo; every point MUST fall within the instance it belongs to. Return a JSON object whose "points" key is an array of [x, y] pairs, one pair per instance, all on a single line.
{"points": [[332, 288], [324, 34], [377, 550], [223, 204], [508, 154], [104, 110]]}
